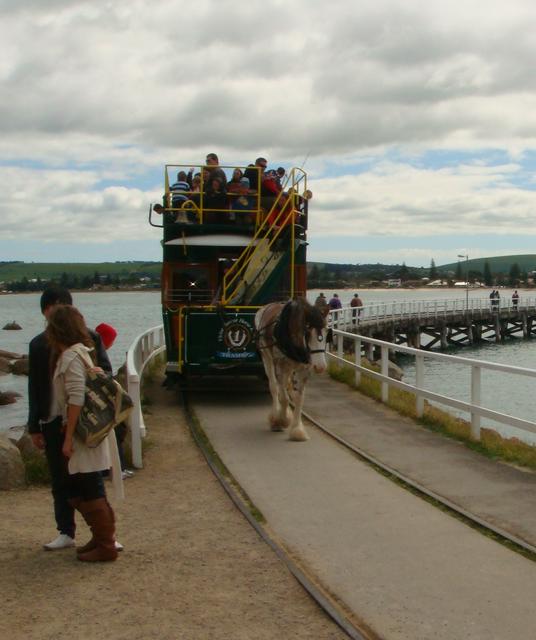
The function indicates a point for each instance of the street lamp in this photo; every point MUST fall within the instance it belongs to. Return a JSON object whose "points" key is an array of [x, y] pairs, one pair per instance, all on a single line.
{"points": [[466, 278]]}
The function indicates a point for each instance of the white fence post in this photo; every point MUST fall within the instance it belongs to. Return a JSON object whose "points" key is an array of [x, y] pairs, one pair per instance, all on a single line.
{"points": [[357, 360], [385, 372], [476, 388], [419, 384]]}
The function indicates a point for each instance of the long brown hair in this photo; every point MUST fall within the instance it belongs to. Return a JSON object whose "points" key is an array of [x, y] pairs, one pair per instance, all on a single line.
{"points": [[66, 326]]}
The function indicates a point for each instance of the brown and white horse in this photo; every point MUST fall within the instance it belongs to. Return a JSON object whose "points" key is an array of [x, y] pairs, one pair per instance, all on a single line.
{"points": [[292, 343]]}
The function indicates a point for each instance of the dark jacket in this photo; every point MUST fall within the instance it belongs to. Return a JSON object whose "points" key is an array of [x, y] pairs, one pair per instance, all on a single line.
{"points": [[40, 377]]}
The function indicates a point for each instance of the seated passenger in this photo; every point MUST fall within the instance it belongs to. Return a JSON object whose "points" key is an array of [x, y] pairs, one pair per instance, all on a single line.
{"points": [[215, 197], [235, 180], [242, 203], [179, 190], [254, 172]]}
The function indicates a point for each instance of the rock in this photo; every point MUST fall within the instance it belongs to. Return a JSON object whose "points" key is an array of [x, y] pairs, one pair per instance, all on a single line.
{"points": [[12, 326], [8, 397], [20, 367], [121, 375], [10, 355], [5, 365], [12, 471], [25, 444]]}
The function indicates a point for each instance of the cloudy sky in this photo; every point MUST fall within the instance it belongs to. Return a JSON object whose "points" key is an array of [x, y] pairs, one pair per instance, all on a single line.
{"points": [[415, 120]]}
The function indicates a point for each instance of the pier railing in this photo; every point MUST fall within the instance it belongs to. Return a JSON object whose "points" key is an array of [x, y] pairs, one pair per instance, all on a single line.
{"points": [[512, 426], [144, 348], [422, 309]]}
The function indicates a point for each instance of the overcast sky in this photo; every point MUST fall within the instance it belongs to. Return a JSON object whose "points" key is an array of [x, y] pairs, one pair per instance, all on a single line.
{"points": [[416, 120]]}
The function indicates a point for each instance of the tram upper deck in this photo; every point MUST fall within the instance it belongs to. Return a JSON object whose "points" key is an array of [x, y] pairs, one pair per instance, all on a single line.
{"points": [[221, 236]]}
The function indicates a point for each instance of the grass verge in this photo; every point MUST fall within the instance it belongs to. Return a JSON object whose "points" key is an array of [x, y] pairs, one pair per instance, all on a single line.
{"points": [[491, 443]]}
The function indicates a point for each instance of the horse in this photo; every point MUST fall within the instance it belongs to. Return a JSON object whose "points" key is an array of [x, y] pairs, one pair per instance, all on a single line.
{"points": [[291, 338]]}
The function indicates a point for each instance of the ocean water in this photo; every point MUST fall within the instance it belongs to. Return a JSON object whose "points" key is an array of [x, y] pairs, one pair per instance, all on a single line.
{"points": [[131, 313]]}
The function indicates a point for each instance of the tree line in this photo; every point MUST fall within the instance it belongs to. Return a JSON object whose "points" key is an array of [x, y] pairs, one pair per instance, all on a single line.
{"points": [[74, 281], [326, 275]]}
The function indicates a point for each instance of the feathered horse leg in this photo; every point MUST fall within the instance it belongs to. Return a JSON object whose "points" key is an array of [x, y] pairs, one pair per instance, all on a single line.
{"points": [[297, 430]]}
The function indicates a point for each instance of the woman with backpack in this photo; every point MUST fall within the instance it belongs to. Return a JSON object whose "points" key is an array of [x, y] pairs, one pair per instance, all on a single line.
{"points": [[71, 348]]}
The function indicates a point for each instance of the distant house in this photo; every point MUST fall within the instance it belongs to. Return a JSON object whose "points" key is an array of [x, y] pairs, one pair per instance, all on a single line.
{"points": [[394, 282]]}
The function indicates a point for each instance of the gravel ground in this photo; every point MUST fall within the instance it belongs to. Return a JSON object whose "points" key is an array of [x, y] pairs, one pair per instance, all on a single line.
{"points": [[192, 567]]}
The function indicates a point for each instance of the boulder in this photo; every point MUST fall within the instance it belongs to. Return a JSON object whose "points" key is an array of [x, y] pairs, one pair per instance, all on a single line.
{"points": [[10, 355], [121, 375], [19, 367], [5, 365], [24, 444], [12, 326], [12, 471], [8, 397]]}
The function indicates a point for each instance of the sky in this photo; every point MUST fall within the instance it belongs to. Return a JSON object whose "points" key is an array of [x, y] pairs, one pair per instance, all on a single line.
{"points": [[414, 119]]}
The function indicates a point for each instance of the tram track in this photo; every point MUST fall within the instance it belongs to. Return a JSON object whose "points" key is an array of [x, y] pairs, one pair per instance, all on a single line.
{"points": [[345, 619], [354, 630], [502, 536]]}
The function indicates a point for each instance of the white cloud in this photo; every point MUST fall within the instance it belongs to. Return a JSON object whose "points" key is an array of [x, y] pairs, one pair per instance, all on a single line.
{"points": [[110, 91]]}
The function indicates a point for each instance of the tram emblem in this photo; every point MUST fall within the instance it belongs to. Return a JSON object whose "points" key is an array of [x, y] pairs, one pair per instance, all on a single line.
{"points": [[237, 335]]}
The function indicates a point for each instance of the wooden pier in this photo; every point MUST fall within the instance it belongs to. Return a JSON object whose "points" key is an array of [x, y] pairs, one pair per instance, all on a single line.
{"points": [[425, 326]]}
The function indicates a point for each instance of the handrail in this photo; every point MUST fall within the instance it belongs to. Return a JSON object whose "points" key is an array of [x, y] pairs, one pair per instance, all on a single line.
{"points": [[474, 407], [144, 348], [423, 309], [269, 229]]}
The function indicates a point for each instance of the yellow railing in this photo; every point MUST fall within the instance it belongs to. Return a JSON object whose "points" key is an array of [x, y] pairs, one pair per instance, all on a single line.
{"points": [[269, 229], [199, 207]]}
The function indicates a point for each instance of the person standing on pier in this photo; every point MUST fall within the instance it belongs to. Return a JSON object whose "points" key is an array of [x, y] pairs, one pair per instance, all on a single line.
{"points": [[334, 302], [515, 299], [44, 427], [356, 303]]}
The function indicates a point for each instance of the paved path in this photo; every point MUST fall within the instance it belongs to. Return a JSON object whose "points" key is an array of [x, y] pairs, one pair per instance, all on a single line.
{"points": [[407, 569], [499, 493]]}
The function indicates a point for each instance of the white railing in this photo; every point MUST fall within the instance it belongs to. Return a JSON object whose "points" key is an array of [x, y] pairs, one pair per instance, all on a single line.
{"points": [[144, 348], [474, 407], [422, 309]]}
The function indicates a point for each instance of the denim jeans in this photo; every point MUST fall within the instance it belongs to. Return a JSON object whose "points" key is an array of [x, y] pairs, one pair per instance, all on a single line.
{"points": [[63, 511]]}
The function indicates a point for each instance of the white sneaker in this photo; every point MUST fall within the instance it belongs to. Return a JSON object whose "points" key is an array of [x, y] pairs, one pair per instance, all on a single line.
{"points": [[63, 541], [118, 546]]}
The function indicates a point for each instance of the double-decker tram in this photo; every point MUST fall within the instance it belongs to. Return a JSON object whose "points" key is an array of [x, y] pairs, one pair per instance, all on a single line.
{"points": [[227, 250]]}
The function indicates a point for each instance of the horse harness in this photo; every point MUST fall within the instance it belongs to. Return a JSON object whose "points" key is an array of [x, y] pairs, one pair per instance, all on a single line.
{"points": [[281, 340]]}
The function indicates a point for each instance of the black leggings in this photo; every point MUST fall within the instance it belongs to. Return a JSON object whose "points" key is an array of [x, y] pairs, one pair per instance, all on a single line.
{"points": [[87, 486]]}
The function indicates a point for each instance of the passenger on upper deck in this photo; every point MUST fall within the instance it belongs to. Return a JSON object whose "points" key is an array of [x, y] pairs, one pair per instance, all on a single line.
{"points": [[241, 201], [214, 168], [254, 171], [179, 190], [215, 198], [235, 180]]}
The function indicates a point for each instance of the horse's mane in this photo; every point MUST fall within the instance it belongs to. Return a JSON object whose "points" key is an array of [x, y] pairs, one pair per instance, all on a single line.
{"points": [[295, 317]]}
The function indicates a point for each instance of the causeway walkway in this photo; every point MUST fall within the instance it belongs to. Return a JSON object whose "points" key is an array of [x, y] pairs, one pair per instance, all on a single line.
{"points": [[405, 568]]}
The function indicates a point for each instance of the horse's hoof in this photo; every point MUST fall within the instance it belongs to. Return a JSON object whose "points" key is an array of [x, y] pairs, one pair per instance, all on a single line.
{"points": [[298, 436]]}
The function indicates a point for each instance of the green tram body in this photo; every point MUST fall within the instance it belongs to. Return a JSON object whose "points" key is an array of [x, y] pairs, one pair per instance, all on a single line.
{"points": [[219, 266]]}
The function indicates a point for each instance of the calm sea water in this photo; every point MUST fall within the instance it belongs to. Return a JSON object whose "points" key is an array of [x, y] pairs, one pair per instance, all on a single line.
{"points": [[131, 313]]}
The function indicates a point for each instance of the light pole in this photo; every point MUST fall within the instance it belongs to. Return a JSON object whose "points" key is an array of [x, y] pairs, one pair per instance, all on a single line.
{"points": [[466, 278]]}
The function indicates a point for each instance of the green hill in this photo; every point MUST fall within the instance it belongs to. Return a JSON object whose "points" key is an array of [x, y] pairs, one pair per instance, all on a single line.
{"points": [[12, 271], [497, 264]]}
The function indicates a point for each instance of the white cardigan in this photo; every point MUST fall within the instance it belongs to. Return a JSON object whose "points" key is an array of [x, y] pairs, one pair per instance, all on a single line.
{"points": [[68, 387]]}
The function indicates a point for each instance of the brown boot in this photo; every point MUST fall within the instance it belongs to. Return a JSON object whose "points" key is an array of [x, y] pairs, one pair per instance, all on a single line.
{"points": [[100, 517]]}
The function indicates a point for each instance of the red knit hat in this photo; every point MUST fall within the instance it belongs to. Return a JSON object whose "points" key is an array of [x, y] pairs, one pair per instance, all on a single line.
{"points": [[107, 333]]}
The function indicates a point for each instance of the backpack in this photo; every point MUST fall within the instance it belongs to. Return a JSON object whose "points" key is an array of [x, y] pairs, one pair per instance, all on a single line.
{"points": [[106, 404]]}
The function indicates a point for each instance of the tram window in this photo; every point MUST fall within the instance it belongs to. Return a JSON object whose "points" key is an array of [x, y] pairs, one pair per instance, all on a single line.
{"points": [[191, 283]]}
